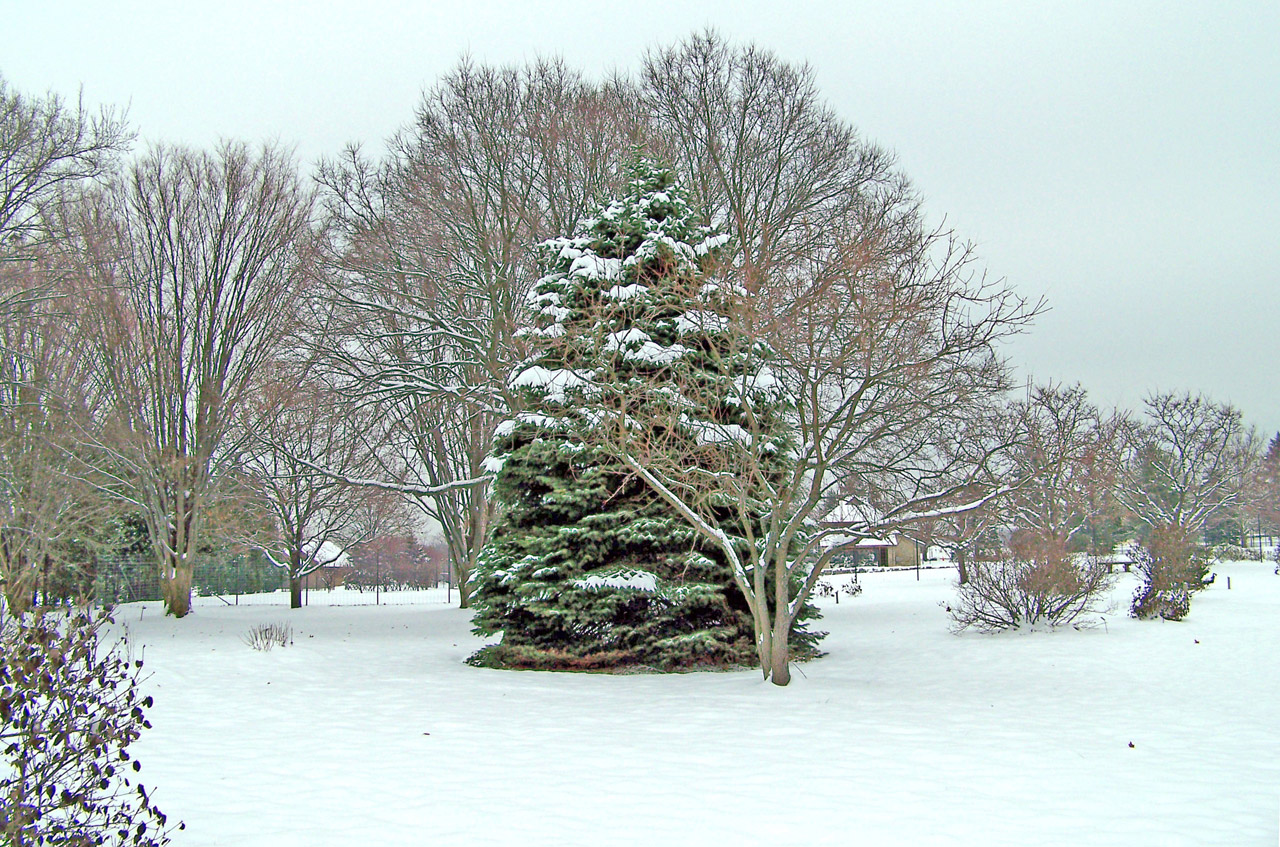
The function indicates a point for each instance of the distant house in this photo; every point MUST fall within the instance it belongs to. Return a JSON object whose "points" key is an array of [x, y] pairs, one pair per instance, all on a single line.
{"points": [[895, 551], [337, 567]]}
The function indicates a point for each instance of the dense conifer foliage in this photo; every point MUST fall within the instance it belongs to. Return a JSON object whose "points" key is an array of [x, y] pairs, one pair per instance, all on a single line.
{"points": [[587, 567]]}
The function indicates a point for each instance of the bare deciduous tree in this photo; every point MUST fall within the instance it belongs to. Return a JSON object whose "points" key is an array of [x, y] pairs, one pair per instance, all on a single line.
{"points": [[883, 365], [766, 157], [46, 144], [879, 331], [47, 514], [435, 253], [192, 264], [1067, 455], [1188, 461], [315, 516]]}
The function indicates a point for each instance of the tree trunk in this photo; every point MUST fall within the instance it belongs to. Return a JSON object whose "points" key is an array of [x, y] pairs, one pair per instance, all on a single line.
{"points": [[780, 657], [961, 566], [780, 646], [295, 592], [177, 591]]}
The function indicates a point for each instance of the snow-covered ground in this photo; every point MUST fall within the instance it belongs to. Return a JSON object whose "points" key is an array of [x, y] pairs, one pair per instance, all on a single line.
{"points": [[369, 729]]}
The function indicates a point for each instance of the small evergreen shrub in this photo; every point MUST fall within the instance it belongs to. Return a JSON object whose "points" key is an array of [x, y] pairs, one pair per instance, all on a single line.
{"points": [[70, 706]]}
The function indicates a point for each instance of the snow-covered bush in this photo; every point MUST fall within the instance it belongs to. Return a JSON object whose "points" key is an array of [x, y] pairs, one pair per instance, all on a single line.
{"points": [[1050, 589], [1234, 553], [1172, 604], [70, 705]]}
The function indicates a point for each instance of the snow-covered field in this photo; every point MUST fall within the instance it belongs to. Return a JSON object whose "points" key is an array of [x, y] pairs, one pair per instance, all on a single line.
{"points": [[369, 729]]}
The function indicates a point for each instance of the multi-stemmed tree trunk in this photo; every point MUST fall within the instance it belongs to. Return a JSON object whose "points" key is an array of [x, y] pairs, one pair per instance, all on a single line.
{"points": [[192, 263], [881, 334]]}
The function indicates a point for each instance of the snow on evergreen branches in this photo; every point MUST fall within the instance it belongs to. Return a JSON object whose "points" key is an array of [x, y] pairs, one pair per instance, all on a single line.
{"points": [[586, 559]]}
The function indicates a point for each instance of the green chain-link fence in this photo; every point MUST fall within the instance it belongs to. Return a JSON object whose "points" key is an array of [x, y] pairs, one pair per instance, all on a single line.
{"points": [[127, 579]]}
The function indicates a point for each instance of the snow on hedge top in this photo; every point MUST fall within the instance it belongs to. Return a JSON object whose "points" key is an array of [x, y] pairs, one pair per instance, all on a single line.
{"points": [[590, 266], [632, 580], [554, 382], [636, 346]]}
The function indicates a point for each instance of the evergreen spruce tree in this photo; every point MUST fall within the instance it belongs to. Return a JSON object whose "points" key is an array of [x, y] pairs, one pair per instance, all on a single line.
{"points": [[587, 567]]}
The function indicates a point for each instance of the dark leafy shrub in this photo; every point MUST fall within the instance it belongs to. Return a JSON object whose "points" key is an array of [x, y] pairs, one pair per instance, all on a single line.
{"points": [[1172, 604], [1172, 567], [70, 706]]}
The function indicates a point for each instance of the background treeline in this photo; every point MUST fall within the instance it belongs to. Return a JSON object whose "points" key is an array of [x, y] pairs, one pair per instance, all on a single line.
{"points": [[210, 356]]}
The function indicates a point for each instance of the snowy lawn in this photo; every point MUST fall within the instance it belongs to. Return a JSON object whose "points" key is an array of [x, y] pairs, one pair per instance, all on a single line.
{"points": [[369, 729]]}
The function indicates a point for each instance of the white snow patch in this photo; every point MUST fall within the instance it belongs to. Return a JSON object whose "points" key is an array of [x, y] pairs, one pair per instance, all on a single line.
{"points": [[709, 244], [701, 321], [972, 739], [622, 579], [508, 426], [637, 346], [626, 292], [710, 432], [763, 385], [712, 288], [591, 266], [556, 382]]}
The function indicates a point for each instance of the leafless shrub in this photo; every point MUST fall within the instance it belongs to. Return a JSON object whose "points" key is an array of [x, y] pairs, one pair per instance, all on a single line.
{"points": [[1050, 589], [264, 636]]}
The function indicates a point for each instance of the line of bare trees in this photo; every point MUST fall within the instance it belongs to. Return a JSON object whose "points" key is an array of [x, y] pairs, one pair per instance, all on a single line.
{"points": [[151, 313], [205, 328]]}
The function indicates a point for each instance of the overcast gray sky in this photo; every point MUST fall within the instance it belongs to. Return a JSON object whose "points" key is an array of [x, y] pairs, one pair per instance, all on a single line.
{"points": [[1121, 158]]}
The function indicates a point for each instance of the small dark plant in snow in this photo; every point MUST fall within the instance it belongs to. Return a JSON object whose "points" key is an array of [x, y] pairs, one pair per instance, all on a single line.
{"points": [[1049, 589], [1172, 567], [264, 636], [824, 588], [69, 708]]}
